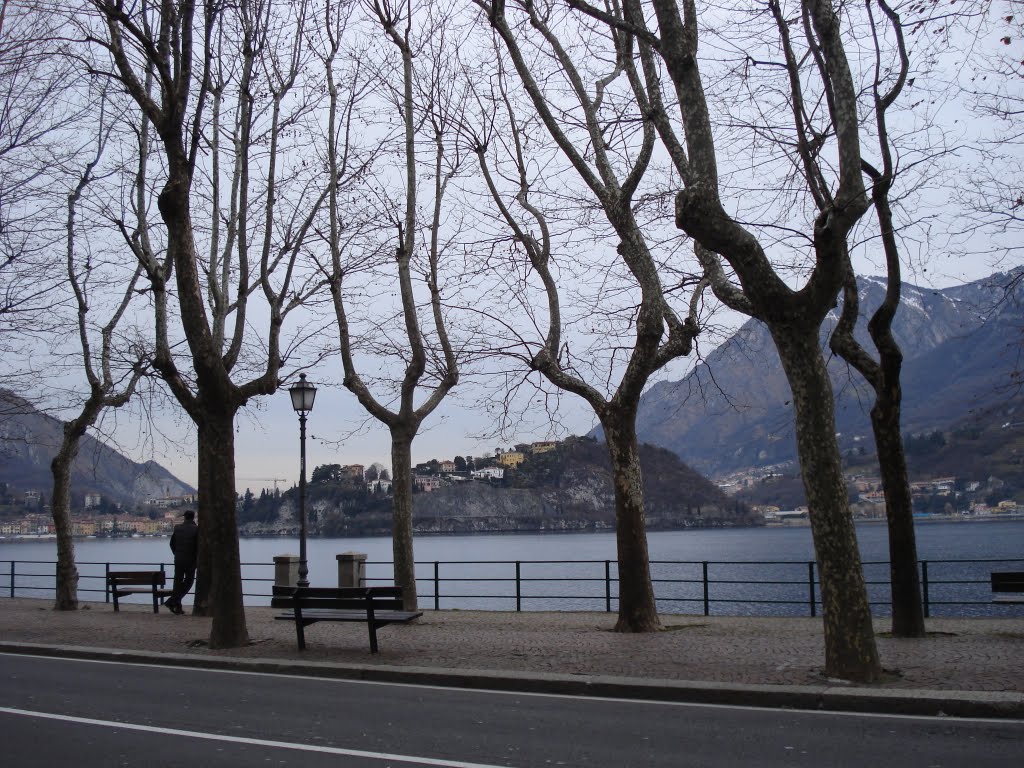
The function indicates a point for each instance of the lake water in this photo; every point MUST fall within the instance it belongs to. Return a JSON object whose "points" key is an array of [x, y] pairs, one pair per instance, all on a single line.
{"points": [[749, 571]]}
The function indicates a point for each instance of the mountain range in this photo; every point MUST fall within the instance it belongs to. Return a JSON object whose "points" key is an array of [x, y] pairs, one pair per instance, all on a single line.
{"points": [[29, 439], [730, 415], [962, 367]]}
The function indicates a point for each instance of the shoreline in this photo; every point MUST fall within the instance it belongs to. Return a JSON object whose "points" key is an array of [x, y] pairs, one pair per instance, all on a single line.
{"points": [[802, 523]]}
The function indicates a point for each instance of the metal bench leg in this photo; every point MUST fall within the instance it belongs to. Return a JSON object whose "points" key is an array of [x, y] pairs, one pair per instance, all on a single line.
{"points": [[300, 628]]}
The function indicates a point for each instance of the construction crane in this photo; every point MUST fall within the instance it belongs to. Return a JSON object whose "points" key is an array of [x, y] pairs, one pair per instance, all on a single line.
{"points": [[274, 480]]}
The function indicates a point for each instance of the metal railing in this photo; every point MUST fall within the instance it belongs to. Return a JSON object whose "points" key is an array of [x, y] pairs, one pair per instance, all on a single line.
{"points": [[772, 588]]}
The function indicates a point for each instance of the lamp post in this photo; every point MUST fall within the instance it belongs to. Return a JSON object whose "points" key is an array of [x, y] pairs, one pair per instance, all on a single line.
{"points": [[303, 393]]}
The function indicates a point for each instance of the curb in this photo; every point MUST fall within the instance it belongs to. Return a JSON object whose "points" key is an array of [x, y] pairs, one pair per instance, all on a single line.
{"points": [[825, 697]]}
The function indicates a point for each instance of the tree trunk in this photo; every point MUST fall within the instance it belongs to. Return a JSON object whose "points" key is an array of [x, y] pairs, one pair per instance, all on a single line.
{"points": [[201, 605], [67, 572], [638, 611], [907, 608], [401, 525], [218, 529], [850, 651]]}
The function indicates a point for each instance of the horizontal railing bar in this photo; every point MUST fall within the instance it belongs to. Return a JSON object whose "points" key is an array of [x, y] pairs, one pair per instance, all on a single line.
{"points": [[666, 575]]}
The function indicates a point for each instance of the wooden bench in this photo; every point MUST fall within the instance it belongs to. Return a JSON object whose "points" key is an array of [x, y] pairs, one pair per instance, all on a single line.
{"points": [[125, 583], [1008, 586], [377, 606]]}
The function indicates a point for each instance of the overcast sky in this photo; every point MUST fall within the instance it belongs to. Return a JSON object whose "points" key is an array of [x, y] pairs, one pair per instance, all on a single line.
{"points": [[267, 432]]}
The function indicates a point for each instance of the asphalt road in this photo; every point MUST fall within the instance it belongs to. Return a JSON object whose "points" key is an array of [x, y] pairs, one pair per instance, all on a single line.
{"points": [[70, 712]]}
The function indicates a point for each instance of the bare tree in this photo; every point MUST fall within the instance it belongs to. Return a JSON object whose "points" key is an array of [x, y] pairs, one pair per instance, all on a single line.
{"points": [[833, 185], [430, 369], [989, 36], [36, 144], [883, 374], [112, 371], [226, 100], [594, 125]]}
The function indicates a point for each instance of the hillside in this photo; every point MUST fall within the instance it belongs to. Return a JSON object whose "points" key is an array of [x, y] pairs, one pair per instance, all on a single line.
{"points": [[29, 440], [567, 489]]}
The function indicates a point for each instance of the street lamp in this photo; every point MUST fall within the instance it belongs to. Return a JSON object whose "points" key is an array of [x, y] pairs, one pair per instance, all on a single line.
{"points": [[303, 393]]}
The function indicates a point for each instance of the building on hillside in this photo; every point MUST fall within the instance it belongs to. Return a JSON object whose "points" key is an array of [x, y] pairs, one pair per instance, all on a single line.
{"points": [[172, 502], [426, 482], [92, 500], [872, 497], [379, 486], [936, 485], [488, 473], [353, 472], [863, 484], [543, 446], [446, 466], [509, 458]]}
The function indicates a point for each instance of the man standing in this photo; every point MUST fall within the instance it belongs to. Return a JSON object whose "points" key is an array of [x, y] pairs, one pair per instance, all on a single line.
{"points": [[184, 545]]}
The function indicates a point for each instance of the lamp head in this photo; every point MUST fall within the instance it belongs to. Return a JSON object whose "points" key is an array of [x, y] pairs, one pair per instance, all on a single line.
{"points": [[303, 393]]}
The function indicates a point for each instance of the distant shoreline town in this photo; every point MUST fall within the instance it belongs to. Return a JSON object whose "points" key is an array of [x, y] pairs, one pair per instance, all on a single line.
{"points": [[33, 528], [939, 499]]}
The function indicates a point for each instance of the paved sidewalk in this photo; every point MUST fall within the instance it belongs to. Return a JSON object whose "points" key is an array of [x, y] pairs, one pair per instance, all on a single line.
{"points": [[963, 667]]}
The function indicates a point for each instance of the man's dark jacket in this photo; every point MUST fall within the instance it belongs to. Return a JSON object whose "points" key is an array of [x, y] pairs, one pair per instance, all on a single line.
{"points": [[185, 543]]}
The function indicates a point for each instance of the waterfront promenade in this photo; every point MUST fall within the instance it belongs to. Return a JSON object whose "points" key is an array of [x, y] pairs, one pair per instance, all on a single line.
{"points": [[963, 667]]}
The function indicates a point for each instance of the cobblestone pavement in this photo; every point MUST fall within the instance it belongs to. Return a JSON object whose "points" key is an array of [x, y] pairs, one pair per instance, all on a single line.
{"points": [[979, 655]]}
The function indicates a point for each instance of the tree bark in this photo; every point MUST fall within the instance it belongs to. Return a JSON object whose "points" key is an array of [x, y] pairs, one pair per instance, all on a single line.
{"points": [[638, 611], [67, 572], [905, 583], [884, 377], [850, 650], [218, 529], [401, 525]]}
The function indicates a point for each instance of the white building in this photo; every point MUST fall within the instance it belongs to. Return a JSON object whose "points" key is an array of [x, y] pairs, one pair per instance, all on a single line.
{"points": [[488, 473]]}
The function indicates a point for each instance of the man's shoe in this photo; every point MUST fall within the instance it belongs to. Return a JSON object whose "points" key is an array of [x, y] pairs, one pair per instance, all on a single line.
{"points": [[177, 609]]}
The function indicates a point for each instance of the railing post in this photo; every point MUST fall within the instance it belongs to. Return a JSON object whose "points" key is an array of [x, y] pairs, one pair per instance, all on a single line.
{"points": [[12, 578], [106, 582], [707, 595], [437, 586], [810, 584], [519, 588], [608, 586], [924, 589]]}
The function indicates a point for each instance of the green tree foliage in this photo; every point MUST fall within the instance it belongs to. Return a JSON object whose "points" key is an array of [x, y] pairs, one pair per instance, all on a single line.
{"points": [[326, 473]]}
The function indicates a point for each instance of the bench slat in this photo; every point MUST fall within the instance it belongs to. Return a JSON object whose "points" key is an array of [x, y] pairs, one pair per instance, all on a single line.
{"points": [[381, 617]]}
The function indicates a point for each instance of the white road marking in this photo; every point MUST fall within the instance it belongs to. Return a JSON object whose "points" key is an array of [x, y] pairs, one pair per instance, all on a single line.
{"points": [[243, 740]]}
